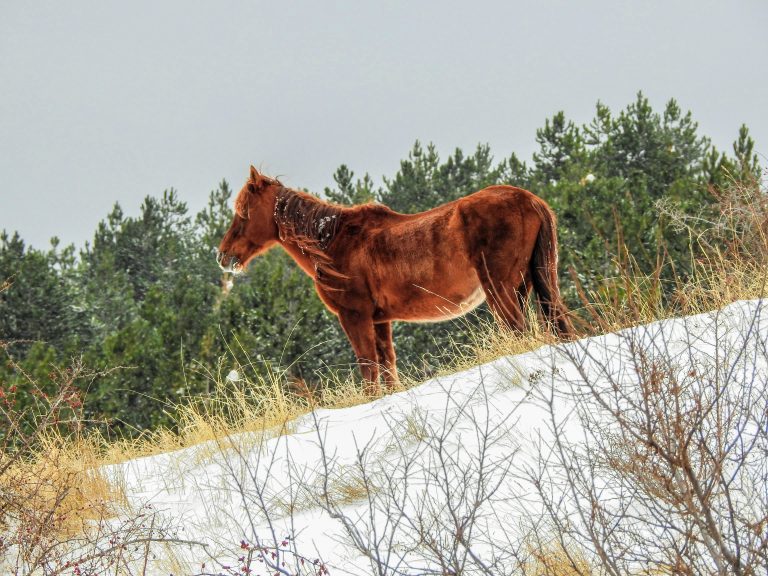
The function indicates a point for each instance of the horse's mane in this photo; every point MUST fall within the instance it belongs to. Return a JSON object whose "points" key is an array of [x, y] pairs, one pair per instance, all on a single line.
{"points": [[312, 224]]}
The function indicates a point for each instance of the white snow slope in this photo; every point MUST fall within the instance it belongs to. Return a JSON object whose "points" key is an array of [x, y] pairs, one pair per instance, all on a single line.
{"points": [[483, 453]]}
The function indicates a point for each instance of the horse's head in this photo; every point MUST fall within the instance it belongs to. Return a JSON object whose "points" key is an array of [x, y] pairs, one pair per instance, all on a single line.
{"points": [[253, 230]]}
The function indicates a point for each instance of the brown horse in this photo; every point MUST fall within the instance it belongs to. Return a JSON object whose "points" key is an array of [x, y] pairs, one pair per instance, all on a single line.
{"points": [[372, 265]]}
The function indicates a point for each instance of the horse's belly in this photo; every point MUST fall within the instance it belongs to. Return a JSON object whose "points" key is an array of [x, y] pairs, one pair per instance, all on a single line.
{"points": [[423, 304], [447, 310], [426, 282]]}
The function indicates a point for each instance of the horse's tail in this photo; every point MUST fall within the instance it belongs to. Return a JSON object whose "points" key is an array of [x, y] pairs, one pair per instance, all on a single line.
{"points": [[544, 272]]}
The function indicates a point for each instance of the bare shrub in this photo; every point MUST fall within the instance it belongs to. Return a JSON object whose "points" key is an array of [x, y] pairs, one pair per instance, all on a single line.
{"points": [[432, 492], [413, 500], [671, 474], [256, 515], [58, 513]]}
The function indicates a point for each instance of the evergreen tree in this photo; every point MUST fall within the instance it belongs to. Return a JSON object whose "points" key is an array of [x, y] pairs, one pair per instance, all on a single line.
{"points": [[146, 297], [212, 222], [37, 304], [560, 146], [348, 190], [604, 182], [152, 319], [745, 165]]}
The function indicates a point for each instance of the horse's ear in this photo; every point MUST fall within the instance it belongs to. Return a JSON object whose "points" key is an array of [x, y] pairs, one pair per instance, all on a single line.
{"points": [[254, 182]]}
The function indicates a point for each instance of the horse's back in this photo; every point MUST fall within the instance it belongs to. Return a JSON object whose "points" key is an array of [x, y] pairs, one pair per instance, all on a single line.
{"points": [[456, 230], [428, 266]]}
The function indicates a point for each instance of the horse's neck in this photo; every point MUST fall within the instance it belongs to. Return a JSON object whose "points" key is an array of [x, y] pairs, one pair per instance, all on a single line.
{"points": [[300, 256], [304, 226]]}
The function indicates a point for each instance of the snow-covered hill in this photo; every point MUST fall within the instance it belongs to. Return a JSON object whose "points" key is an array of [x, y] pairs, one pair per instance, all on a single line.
{"points": [[494, 469]]}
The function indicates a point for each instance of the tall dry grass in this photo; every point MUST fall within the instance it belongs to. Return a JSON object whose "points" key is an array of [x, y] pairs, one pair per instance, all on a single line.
{"points": [[51, 487], [728, 246], [728, 249]]}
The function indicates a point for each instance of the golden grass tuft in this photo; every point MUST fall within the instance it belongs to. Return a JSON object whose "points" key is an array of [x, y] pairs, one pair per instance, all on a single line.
{"points": [[345, 392], [553, 559], [719, 278], [728, 253], [254, 403], [59, 489], [722, 278], [490, 341], [347, 484]]}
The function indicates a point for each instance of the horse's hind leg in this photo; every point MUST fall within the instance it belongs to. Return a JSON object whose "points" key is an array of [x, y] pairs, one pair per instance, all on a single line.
{"points": [[359, 329], [523, 291], [385, 349], [505, 299], [506, 307]]}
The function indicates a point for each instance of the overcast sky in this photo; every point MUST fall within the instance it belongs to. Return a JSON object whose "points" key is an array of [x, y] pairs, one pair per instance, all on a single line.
{"points": [[104, 101]]}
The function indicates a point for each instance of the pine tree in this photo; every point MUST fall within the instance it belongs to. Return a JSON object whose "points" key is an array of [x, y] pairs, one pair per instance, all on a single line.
{"points": [[560, 146], [348, 190], [746, 165]]}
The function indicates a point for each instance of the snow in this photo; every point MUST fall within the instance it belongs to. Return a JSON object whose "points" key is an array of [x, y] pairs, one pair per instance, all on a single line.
{"points": [[421, 449]]}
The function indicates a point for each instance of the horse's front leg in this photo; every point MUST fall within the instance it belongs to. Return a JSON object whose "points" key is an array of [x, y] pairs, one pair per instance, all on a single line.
{"points": [[359, 329], [385, 350]]}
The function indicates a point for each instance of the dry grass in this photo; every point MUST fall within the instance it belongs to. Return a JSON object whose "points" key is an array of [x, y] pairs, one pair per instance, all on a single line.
{"points": [[51, 487], [60, 488], [553, 559], [718, 279], [347, 484], [250, 404], [729, 253], [346, 392], [415, 426], [492, 341]]}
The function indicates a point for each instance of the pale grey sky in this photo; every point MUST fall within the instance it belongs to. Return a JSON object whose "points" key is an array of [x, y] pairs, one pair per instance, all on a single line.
{"points": [[104, 101]]}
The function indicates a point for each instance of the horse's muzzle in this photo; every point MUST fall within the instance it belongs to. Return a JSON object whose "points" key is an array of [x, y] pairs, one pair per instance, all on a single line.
{"points": [[228, 263]]}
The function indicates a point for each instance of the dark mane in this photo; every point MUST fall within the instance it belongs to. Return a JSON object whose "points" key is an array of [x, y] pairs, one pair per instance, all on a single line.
{"points": [[307, 220], [312, 224]]}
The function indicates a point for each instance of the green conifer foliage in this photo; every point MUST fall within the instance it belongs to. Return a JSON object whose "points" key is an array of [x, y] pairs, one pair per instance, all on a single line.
{"points": [[146, 299]]}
